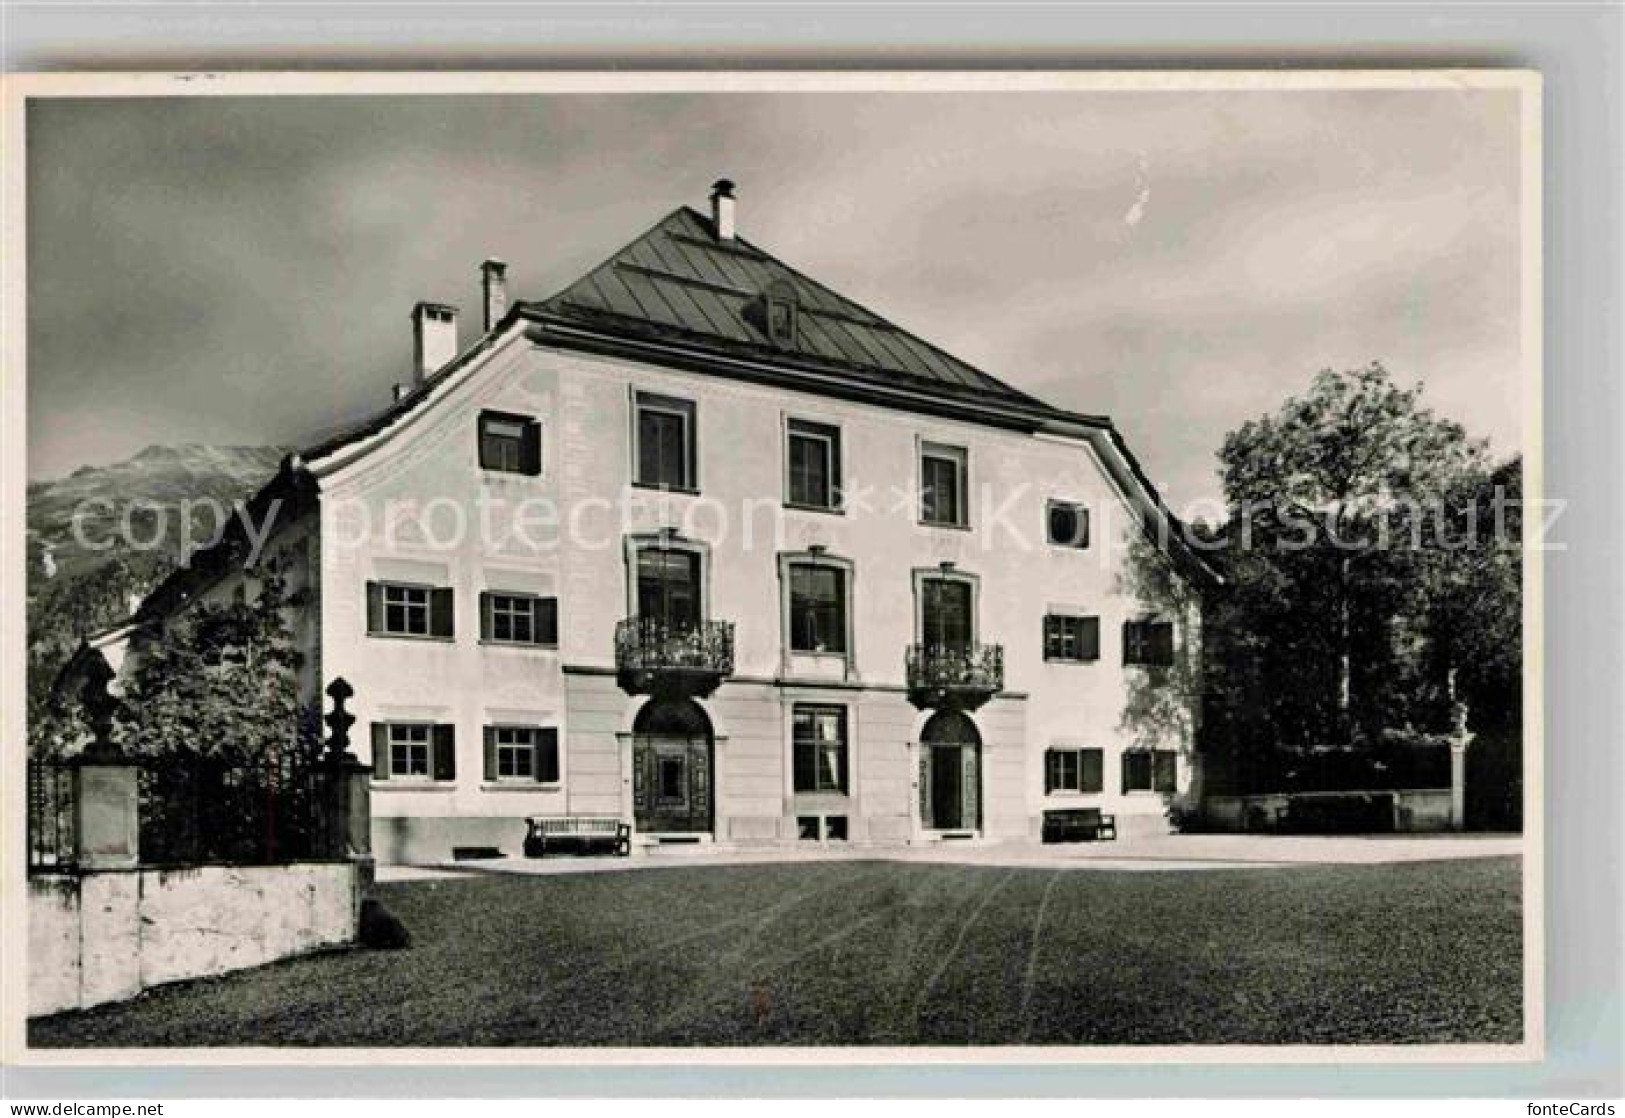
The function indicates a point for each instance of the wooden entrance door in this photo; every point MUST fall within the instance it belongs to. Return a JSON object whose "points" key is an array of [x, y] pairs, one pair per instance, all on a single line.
{"points": [[671, 784], [950, 773], [672, 768]]}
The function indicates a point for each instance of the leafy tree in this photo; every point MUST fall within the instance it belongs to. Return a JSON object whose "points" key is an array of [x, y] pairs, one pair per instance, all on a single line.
{"points": [[1334, 501], [212, 709]]}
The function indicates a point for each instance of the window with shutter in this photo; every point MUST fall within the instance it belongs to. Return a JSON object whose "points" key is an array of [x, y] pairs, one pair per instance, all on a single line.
{"points": [[1150, 643], [510, 444], [397, 609], [1137, 770], [1071, 638]]}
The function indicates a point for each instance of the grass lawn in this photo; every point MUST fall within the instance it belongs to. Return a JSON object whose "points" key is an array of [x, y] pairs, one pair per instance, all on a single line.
{"points": [[882, 953]]}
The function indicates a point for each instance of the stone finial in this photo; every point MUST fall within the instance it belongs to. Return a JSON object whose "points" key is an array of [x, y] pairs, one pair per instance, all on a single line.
{"points": [[338, 719], [100, 707]]}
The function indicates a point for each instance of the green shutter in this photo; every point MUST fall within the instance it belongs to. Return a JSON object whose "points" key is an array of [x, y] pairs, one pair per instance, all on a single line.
{"points": [[1165, 777], [380, 751], [1162, 643], [485, 615], [1088, 638], [927, 819], [444, 765], [545, 621], [547, 755], [490, 753], [1051, 766], [1091, 762], [441, 623], [375, 608], [530, 449]]}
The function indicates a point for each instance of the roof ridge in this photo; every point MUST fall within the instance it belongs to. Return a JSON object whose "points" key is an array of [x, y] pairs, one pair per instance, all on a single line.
{"points": [[882, 320]]}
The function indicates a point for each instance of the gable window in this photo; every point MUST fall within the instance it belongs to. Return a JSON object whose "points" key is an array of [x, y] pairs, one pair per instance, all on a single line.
{"points": [[817, 608], [510, 444], [943, 485], [664, 434], [1148, 642], [1071, 639], [1150, 770], [510, 618], [813, 464], [1068, 524], [522, 754], [396, 609], [414, 751], [1073, 770], [819, 746], [946, 620]]}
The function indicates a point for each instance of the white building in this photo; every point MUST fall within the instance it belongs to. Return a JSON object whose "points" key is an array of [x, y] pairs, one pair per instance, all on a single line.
{"points": [[703, 545]]}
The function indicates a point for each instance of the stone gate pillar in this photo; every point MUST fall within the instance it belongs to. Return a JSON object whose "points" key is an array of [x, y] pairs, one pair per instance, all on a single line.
{"points": [[106, 794], [346, 789], [1460, 739]]}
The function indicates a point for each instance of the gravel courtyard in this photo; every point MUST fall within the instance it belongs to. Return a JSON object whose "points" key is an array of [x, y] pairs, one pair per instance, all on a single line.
{"points": [[878, 953]]}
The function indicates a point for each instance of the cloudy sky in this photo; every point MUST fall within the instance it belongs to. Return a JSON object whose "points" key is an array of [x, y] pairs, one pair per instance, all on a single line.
{"points": [[241, 271]]}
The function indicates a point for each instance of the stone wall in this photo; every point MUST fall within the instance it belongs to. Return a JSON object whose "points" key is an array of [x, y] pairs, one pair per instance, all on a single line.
{"points": [[1415, 809], [102, 936]]}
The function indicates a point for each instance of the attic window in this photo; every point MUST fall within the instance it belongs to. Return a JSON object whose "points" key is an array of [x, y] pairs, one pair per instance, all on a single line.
{"points": [[779, 310]]}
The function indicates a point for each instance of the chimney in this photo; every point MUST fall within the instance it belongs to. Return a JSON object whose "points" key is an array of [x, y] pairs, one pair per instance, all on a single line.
{"points": [[722, 209], [434, 338], [494, 283], [396, 391]]}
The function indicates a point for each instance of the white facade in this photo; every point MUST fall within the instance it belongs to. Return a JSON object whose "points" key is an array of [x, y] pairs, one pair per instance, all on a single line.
{"points": [[405, 505]]}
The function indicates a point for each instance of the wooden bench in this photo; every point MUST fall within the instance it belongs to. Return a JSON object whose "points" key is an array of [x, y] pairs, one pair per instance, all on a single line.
{"points": [[1078, 824], [577, 834]]}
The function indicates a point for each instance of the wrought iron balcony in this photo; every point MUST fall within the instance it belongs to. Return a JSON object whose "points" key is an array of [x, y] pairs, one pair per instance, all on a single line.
{"points": [[653, 657], [954, 677]]}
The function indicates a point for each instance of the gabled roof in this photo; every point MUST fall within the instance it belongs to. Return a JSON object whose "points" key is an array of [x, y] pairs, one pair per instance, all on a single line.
{"points": [[679, 296], [678, 281]]}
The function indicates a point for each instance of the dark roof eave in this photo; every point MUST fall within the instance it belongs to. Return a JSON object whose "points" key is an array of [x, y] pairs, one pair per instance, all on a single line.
{"points": [[554, 327]]}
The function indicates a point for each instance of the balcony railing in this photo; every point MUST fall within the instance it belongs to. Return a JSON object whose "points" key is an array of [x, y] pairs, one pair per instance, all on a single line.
{"points": [[653, 657], [960, 677]]}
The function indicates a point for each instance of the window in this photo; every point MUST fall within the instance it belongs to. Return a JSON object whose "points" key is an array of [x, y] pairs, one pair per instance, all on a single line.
{"points": [[942, 485], [817, 608], [813, 462], [821, 828], [510, 444], [1068, 524], [945, 614], [669, 588], [665, 442], [413, 751], [508, 618], [397, 609], [1073, 770], [820, 748], [1069, 638], [522, 754], [1148, 642], [1150, 770]]}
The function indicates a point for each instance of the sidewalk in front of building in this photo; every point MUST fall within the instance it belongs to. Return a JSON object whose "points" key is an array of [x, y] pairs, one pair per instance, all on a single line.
{"points": [[1164, 852]]}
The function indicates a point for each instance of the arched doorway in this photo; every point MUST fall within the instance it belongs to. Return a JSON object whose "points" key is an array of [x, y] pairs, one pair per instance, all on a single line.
{"points": [[950, 772], [672, 770]]}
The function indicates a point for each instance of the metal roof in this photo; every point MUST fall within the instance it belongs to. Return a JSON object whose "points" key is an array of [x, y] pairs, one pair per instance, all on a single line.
{"points": [[680, 281]]}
